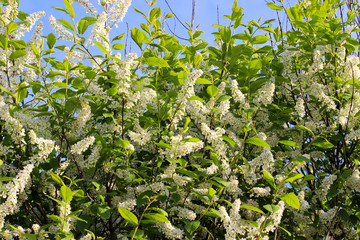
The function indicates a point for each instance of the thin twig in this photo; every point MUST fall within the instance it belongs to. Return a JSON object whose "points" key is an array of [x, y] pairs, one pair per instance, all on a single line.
{"points": [[176, 15], [193, 13]]}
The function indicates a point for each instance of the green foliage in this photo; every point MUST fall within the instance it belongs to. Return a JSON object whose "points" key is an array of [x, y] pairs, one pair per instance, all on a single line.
{"points": [[252, 136]]}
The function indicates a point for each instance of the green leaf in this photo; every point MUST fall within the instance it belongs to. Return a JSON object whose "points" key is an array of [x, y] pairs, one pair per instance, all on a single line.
{"points": [[273, 6], [122, 143], [6, 179], [104, 211], [6, 91], [188, 173], [229, 140], [60, 9], [203, 81], [54, 218], [82, 26], [306, 129], [258, 142], [309, 177], [69, 8], [161, 144], [289, 143], [169, 15], [3, 42], [221, 181], [51, 40], [138, 36], [211, 193], [287, 232], [66, 194], [269, 178], [128, 216], [291, 199], [119, 37], [155, 61], [36, 51], [292, 178], [18, 44], [255, 66], [101, 47], [252, 208], [213, 213], [112, 91], [252, 223], [17, 54], [139, 233], [196, 98], [322, 143], [224, 98], [11, 27], [156, 217], [118, 46], [21, 93], [260, 39], [186, 125], [30, 236], [271, 208], [144, 197], [191, 227], [212, 91], [191, 140], [66, 24]]}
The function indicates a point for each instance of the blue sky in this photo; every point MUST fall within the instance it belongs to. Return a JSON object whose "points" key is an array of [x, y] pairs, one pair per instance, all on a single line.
{"points": [[206, 12]]}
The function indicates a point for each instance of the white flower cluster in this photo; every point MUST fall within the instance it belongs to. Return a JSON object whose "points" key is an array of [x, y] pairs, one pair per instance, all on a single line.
{"points": [[223, 108], [237, 95], [181, 148], [178, 179], [29, 24], [10, 11], [276, 217], [300, 107], [83, 145], [72, 56], [88, 6], [260, 191], [14, 188], [265, 94], [233, 224], [118, 10], [233, 187], [214, 136], [96, 90], [86, 237], [317, 90], [322, 192], [92, 159], [83, 116], [60, 30], [187, 89], [139, 135], [65, 211], [45, 146], [123, 72], [212, 169], [12, 125], [100, 28], [184, 213], [353, 182], [169, 230]]}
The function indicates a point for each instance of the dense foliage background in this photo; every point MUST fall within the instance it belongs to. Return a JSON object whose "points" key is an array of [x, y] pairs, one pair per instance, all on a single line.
{"points": [[252, 136]]}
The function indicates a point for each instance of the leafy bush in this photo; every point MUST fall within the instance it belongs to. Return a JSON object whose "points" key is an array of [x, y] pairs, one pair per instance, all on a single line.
{"points": [[252, 137]]}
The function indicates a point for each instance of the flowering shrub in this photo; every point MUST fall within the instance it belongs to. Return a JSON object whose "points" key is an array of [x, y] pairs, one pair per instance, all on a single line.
{"points": [[237, 140]]}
